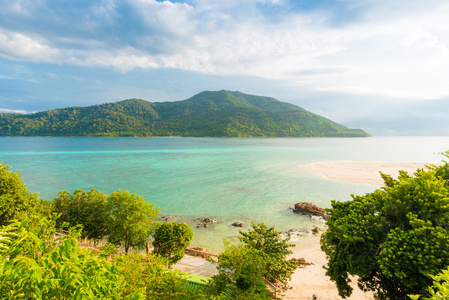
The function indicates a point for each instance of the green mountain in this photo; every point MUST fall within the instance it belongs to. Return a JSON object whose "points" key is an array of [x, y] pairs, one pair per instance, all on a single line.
{"points": [[215, 114]]}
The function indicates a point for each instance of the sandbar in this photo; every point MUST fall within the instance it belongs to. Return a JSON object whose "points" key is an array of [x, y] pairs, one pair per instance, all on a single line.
{"points": [[366, 172]]}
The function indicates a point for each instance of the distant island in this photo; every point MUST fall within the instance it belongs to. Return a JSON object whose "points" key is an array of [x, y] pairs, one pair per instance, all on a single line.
{"points": [[207, 114]]}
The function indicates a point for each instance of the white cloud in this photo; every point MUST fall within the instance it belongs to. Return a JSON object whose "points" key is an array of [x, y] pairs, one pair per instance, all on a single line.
{"points": [[395, 48], [18, 46], [5, 110]]}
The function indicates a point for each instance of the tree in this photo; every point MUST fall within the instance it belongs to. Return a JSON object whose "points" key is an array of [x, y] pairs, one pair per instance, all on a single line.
{"points": [[272, 247], [394, 239], [15, 199], [129, 219], [171, 239], [241, 273], [83, 208], [245, 269]]}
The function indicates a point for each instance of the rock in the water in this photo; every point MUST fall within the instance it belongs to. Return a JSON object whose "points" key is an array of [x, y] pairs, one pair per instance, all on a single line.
{"points": [[205, 222], [237, 224], [310, 209], [316, 230], [166, 218]]}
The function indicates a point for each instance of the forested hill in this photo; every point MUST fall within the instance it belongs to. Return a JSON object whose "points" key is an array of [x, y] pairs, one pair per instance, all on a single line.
{"points": [[215, 114]]}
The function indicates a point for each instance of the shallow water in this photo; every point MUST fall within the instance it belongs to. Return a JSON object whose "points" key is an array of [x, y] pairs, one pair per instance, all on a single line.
{"points": [[244, 179]]}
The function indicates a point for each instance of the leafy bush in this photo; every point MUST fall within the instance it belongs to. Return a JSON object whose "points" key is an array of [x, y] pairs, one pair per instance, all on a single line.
{"points": [[55, 269], [171, 239], [147, 275], [15, 200]]}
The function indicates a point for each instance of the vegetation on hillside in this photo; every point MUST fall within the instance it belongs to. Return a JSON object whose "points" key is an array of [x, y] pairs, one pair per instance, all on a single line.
{"points": [[213, 114]]}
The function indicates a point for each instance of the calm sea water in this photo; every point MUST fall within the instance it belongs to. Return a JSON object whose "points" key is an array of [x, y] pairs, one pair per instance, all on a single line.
{"points": [[247, 180]]}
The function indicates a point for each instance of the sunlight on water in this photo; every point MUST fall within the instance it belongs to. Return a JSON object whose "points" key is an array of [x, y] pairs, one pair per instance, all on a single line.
{"points": [[246, 180]]}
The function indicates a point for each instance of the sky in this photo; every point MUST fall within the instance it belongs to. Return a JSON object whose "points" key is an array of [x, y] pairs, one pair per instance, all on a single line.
{"points": [[382, 66]]}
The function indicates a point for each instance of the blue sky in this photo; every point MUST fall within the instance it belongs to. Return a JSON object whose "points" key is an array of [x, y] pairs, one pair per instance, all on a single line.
{"points": [[378, 65]]}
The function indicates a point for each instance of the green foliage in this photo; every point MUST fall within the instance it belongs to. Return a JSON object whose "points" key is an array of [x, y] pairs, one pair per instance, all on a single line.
{"points": [[439, 290], [442, 170], [83, 208], [6, 235], [273, 249], [129, 219], [221, 113], [394, 239], [244, 270], [107, 250], [241, 273], [54, 269], [47, 268], [15, 200], [171, 239], [149, 277]]}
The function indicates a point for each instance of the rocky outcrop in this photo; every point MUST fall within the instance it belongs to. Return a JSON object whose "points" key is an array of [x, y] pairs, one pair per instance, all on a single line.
{"points": [[309, 209], [237, 224]]}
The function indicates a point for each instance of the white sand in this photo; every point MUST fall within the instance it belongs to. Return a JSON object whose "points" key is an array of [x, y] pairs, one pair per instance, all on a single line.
{"points": [[360, 171], [311, 280]]}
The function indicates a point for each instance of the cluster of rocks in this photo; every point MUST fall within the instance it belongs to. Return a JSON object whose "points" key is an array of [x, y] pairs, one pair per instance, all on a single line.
{"points": [[296, 232], [205, 222], [166, 218], [310, 210], [238, 224]]}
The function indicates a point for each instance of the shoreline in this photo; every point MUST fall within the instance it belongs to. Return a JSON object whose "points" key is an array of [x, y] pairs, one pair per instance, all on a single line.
{"points": [[363, 172]]}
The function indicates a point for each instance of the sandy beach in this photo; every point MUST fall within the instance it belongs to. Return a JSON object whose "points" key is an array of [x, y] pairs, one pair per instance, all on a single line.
{"points": [[312, 280], [366, 172]]}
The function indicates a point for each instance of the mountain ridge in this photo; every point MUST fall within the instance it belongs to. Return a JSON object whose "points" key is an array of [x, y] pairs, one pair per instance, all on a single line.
{"points": [[209, 113]]}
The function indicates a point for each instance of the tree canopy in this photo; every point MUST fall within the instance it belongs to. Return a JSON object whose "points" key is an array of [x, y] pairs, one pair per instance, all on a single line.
{"points": [[273, 249], [130, 219], [83, 208], [171, 239], [15, 199], [245, 269], [395, 238]]}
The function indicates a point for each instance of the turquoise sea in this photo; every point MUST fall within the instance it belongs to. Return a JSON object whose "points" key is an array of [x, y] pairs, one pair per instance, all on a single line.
{"points": [[228, 179]]}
